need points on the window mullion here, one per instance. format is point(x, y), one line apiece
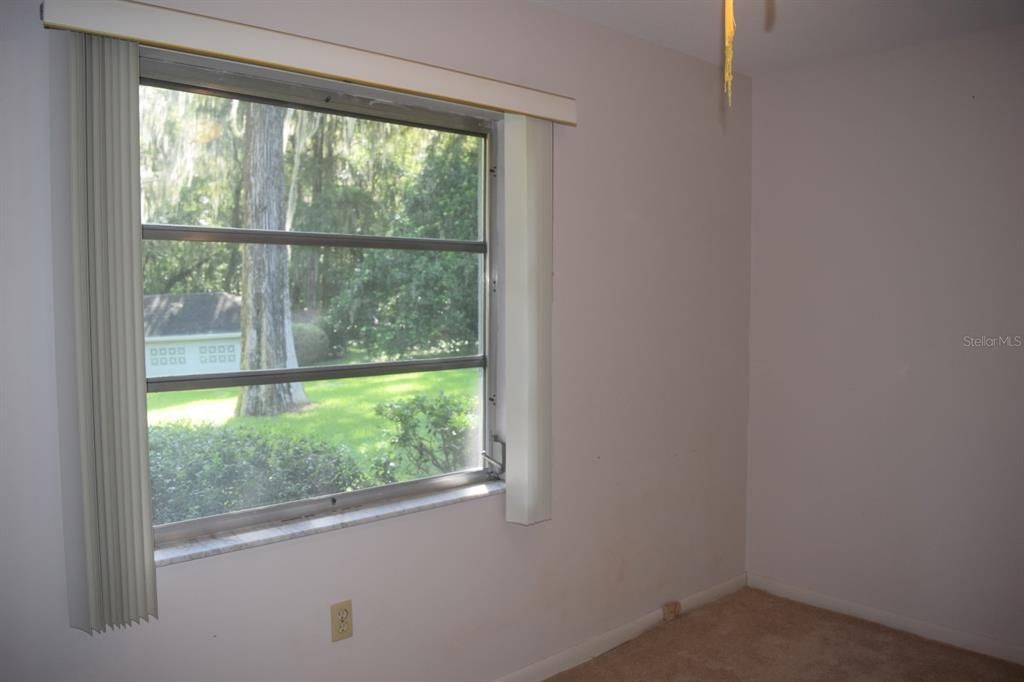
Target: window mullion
point(256, 377)
point(160, 232)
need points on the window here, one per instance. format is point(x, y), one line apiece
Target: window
point(315, 290)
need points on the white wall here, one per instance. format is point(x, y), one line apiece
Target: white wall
point(886, 459)
point(652, 201)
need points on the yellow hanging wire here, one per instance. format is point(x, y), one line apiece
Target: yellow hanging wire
point(729, 24)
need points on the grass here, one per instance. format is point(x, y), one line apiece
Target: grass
point(340, 411)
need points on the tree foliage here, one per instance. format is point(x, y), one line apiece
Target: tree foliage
point(338, 174)
point(429, 298)
point(192, 152)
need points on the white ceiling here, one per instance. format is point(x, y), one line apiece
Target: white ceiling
point(804, 31)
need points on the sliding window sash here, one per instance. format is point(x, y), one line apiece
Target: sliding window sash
point(116, 528)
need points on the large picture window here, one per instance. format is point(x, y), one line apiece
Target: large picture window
point(315, 269)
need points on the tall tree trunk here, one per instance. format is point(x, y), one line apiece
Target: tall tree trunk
point(298, 142)
point(266, 303)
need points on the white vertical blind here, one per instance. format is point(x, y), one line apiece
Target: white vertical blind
point(117, 544)
point(526, 359)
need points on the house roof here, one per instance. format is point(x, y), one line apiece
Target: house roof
point(181, 314)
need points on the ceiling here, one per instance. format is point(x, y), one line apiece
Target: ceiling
point(803, 31)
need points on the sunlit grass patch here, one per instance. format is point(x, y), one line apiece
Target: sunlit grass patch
point(340, 411)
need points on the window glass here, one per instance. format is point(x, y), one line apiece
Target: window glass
point(330, 173)
point(217, 310)
point(348, 434)
point(345, 305)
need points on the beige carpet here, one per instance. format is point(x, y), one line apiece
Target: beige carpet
point(752, 635)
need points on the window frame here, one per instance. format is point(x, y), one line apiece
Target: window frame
point(209, 76)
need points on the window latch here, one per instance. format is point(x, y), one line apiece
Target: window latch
point(497, 467)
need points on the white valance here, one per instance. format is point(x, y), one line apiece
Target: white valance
point(173, 29)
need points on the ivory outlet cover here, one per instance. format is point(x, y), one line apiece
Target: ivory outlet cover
point(341, 620)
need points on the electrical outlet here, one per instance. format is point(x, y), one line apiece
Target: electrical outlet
point(341, 620)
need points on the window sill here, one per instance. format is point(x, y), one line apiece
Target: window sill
point(265, 534)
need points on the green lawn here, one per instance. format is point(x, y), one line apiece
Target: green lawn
point(341, 411)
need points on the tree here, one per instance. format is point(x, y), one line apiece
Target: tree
point(405, 303)
point(329, 174)
point(191, 150)
point(266, 303)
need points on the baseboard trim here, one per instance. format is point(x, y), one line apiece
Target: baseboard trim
point(939, 633)
point(597, 645)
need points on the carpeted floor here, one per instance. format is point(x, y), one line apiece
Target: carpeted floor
point(752, 635)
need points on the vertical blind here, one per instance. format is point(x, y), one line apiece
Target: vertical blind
point(116, 528)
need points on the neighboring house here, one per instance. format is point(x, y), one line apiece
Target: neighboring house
point(192, 333)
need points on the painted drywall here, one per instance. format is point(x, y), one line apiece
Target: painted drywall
point(886, 456)
point(652, 208)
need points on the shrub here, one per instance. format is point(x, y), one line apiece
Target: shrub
point(428, 434)
point(384, 468)
point(200, 470)
point(311, 344)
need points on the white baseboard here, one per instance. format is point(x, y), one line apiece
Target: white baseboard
point(939, 633)
point(597, 645)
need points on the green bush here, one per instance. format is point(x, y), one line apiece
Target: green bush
point(200, 470)
point(311, 344)
point(428, 435)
